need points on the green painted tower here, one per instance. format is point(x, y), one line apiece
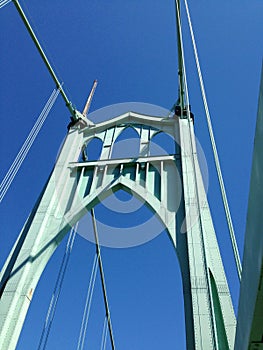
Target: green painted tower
point(77, 186)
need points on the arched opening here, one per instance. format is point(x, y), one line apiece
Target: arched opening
point(127, 144)
point(142, 282)
point(92, 150)
point(148, 275)
point(162, 144)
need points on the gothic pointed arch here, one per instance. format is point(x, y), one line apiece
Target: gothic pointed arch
point(126, 143)
point(91, 150)
point(162, 143)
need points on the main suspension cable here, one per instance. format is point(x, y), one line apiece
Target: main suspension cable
point(73, 111)
point(215, 153)
point(102, 279)
point(15, 166)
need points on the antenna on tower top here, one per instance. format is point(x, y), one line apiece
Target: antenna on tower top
point(89, 100)
point(83, 116)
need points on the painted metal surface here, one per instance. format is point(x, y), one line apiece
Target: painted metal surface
point(75, 187)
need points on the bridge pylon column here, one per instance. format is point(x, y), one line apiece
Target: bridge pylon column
point(40, 236)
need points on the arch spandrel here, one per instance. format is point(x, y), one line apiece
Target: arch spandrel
point(167, 125)
point(167, 218)
point(105, 180)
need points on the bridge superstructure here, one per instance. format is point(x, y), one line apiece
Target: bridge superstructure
point(171, 185)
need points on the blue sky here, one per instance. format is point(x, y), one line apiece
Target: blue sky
point(130, 47)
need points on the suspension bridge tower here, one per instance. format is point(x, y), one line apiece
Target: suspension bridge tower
point(77, 184)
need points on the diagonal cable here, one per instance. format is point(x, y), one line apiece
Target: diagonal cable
point(4, 2)
point(18, 161)
point(26, 141)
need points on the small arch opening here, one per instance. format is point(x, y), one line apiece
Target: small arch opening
point(162, 144)
point(92, 151)
point(127, 144)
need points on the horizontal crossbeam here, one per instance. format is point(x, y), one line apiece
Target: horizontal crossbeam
point(124, 161)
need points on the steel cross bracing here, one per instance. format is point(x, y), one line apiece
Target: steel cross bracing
point(76, 186)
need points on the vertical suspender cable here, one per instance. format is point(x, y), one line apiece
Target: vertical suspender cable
point(102, 279)
point(216, 158)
